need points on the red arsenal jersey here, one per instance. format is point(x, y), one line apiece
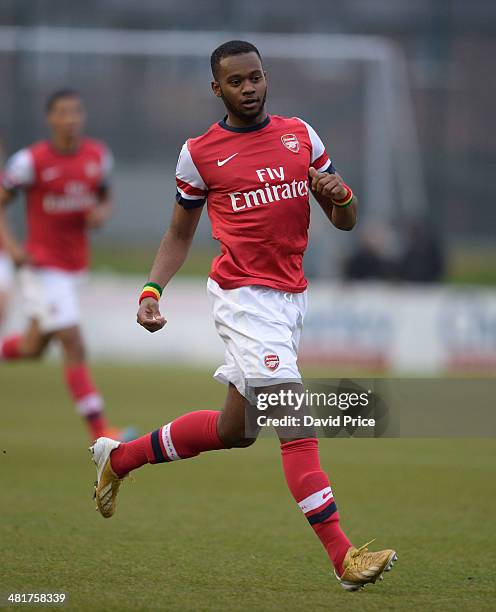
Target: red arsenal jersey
point(60, 190)
point(255, 181)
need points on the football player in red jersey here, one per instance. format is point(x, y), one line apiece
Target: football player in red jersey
point(256, 170)
point(66, 184)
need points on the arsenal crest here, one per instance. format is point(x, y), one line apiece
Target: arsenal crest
point(271, 362)
point(290, 142)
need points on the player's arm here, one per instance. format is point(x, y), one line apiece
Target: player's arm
point(18, 174)
point(333, 197)
point(170, 256)
point(10, 243)
point(103, 210)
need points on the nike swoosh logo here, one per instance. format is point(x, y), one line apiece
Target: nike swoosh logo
point(324, 495)
point(224, 161)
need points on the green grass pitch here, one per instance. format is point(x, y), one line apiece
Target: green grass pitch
point(220, 532)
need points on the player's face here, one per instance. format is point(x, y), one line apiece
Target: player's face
point(66, 117)
point(242, 85)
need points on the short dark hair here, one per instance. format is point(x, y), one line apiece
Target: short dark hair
point(54, 97)
point(232, 47)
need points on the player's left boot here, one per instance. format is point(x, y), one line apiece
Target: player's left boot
point(361, 567)
point(107, 483)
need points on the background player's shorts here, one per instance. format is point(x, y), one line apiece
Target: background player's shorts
point(51, 297)
point(6, 272)
point(261, 329)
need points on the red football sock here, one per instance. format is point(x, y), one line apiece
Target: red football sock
point(97, 425)
point(89, 402)
point(311, 489)
point(10, 348)
point(187, 436)
point(131, 455)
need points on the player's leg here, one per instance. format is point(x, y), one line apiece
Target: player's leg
point(79, 381)
point(185, 437)
point(29, 345)
point(312, 491)
point(203, 430)
point(309, 484)
point(32, 343)
point(50, 296)
point(306, 480)
point(231, 424)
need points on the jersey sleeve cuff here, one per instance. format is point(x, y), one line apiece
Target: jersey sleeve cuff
point(330, 168)
point(189, 204)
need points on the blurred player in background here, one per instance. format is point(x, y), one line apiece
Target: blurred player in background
point(66, 184)
point(257, 171)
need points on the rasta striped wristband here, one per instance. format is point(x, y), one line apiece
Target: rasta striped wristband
point(347, 200)
point(151, 290)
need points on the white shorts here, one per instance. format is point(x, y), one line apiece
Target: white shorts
point(51, 297)
point(261, 329)
point(6, 272)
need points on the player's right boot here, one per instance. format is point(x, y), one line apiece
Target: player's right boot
point(107, 482)
point(361, 567)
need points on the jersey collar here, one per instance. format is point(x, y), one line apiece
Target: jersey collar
point(59, 153)
point(242, 130)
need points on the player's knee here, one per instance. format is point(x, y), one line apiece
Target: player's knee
point(233, 437)
point(78, 354)
point(33, 353)
point(237, 441)
point(74, 348)
point(33, 350)
point(244, 442)
point(232, 432)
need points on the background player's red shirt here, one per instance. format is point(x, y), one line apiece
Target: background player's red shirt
point(257, 186)
point(60, 190)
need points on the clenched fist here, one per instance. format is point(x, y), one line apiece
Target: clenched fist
point(149, 315)
point(328, 185)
